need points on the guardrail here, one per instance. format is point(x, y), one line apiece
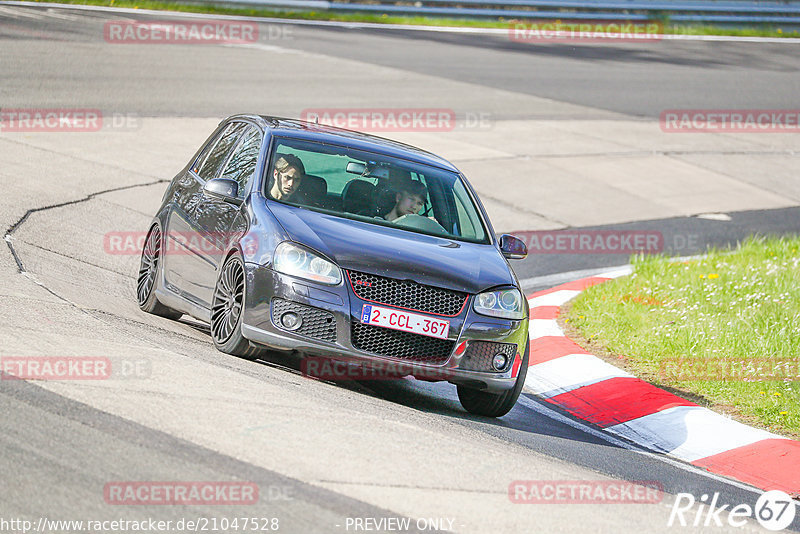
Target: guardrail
point(708, 11)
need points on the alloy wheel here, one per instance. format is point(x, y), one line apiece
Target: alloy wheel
point(228, 298)
point(148, 267)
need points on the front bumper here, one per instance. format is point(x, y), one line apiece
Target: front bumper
point(334, 311)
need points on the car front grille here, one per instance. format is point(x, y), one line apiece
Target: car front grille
point(479, 354)
point(406, 294)
point(317, 323)
point(402, 345)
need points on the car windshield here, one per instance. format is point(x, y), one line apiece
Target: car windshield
point(374, 188)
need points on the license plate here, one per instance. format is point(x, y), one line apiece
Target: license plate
point(407, 322)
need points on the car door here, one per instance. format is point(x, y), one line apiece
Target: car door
point(220, 222)
point(185, 267)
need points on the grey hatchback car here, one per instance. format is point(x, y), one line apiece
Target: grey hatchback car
point(346, 248)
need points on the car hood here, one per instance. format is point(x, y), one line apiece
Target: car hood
point(396, 253)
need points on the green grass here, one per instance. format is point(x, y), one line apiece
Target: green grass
point(758, 31)
point(698, 29)
point(682, 324)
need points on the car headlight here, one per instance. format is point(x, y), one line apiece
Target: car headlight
point(506, 303)
point(297, 261)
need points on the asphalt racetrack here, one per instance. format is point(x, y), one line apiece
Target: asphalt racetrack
point(552, 136)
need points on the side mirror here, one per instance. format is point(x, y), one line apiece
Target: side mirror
point(513, 247)
point(223, 189)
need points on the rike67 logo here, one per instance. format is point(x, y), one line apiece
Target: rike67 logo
point(774, 510)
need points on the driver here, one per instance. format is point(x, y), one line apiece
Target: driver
point(410, 198)
point(286, 177)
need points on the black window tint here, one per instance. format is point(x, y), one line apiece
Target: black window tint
point(219, 153)
point(242, 163)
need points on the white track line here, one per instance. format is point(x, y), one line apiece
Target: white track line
point(556, 298)
point(556, 416)
point(690, 432)
point(560, 375)
point(552, 280)
point(544, 328)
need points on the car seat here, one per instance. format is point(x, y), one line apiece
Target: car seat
point(358, 197)
point(313, 191)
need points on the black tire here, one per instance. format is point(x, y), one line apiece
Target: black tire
point(226, 311)
point(147, 280)
point(491, 404)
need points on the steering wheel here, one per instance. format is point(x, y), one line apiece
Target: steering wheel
point(420, 223)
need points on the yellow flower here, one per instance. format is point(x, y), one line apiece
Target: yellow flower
point(761, 393)
point(777, 394)
point(702, 276)
point(712, 276)
point(783, 413)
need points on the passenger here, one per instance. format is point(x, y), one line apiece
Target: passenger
point(410, 198)
point(287, 175)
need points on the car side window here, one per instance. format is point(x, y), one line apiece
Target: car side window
point(198, 162)
point(219, 154)
point(242, 164)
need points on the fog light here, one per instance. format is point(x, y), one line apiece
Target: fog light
point(291, 321)
point(499, 361)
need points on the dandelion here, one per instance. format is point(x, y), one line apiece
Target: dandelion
point(712, 276)
point(777, 394)
point(783, 413)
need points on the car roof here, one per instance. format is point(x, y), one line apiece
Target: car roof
point(310, 131)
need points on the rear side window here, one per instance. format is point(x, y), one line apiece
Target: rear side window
point(219, 154)
point(242, 164)
point(198, 162)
